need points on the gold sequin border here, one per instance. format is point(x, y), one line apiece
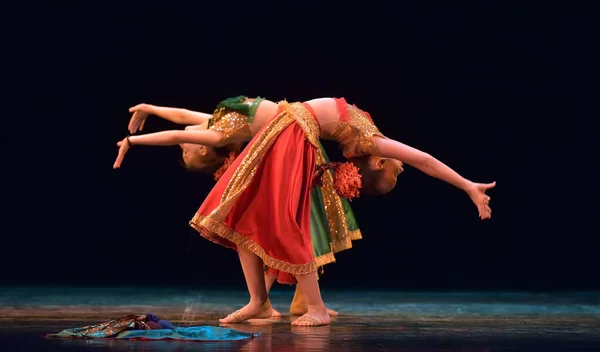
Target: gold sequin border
point(212, 225)
point(208, 227)
point(325, 259)
point(338, 246)
point(332, 204)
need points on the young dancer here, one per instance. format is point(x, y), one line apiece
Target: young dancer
point(272, 179)
point(201, 158)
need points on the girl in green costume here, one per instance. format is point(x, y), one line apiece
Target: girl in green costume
point(330, 234)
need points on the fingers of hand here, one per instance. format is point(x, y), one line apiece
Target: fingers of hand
point(142, 124)
point(119, 159)
point(133, 123)
point(117, 163)
point(485, 212)
point(136, 108)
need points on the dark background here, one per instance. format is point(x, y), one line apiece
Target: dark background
point(498, 91)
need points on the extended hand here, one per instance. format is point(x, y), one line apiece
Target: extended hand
point(140, 114)
point(123, 149)
point(481, 200)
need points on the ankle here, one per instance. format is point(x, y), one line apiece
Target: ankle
point(317, 307)
point(260, 302)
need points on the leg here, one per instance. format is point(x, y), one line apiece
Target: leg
point(300, 307)
point(259, 306)
point(269, 281)
point(316, 312)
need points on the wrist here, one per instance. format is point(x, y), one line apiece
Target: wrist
point(468, 186)
point(130, 140)
point(150, 109)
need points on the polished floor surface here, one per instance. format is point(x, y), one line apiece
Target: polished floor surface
point(369, 321)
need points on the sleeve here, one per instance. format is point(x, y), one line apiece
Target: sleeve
point(232, 124)
point(355, 131)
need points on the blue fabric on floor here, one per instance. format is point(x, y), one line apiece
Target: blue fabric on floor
point(194, 333)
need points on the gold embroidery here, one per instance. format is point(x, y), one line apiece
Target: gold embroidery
point(245, 172)
point(209, 228)
point(234, 126)
point(356, 135)
point(325, 259)
point(306, 121)
point(332, 203)
point(342, 244)
point(212, 225)
point(355, 235)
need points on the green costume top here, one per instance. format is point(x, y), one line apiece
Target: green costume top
point(232, 117)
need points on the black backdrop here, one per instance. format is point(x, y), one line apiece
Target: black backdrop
point(497, 91)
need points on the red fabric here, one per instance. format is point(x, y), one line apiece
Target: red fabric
point(274, 211)
point(342, 107)
point(282, 278)
point(312, 112)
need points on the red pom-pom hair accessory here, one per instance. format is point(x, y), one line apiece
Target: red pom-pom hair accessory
point(346, 178)
point(228, 161)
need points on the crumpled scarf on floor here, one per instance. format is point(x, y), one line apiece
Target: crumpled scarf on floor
point(136, 327)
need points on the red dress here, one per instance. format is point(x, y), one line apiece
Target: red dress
point(262, 202)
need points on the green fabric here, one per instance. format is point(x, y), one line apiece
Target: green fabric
point(350, 219)
point(319, 229)
point(238, 105)
point(253, 109)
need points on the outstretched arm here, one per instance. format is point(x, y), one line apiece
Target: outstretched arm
point(204, 137)
point(428, 164)
point(175, 115)
point(166, 138)
point(433, 167)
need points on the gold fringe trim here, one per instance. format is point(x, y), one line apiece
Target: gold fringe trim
point(355, 235)
point(208, 227)
point(305, 120)
point(332, 204)
point(325, 259)
point(245, 172)
point(345, 243)
point(341, 245)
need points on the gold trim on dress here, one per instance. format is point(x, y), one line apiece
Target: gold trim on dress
point(341, 245)
point(332, 204)
point(355, 235)
point(209, 228)
point(356, 135)
point(212, 225)
point(325, 259)
point(234, 126)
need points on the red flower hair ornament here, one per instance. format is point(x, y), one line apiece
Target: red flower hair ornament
point(346, 178)
point(228, 161)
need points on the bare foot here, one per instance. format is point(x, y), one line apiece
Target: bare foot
point(275, 314)
point(250, 311)
point(316, 316)
point(332, 313)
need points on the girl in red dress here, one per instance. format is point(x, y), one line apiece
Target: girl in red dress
point(261, 204)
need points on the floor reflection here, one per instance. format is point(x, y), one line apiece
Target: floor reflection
point(369, 322)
